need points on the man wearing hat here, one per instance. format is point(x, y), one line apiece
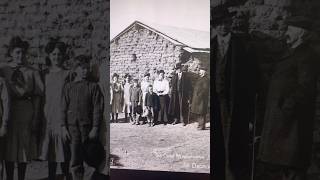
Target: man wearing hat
point(200, 98)
point(234, 91)
point(180, 95)
point(287, 135)
point(82, 105)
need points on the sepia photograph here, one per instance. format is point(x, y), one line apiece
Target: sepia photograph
point(265, 56)
point(53, 77)
point(159, 85)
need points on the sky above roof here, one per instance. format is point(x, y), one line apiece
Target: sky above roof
point(191, 14)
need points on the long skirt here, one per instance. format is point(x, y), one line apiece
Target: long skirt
point(20, 141)
point(116, 103)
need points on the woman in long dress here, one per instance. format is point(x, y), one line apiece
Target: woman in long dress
point(26, 88)
point(54, 149)
point(117, 98)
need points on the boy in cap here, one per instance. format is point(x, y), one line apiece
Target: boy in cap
point(135, 101)
point(151, 103)
point(82, 105)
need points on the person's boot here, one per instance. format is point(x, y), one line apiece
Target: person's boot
point(112, 117)
point(176, 121)
point(116, 117)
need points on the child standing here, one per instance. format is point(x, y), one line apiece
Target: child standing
point(144, 87)
point(82, 107)
point(54, 150)
point(116, 97)
point(135, 101)
point(152, 105)
point(126, 97)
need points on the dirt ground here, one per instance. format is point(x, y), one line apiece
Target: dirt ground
point(161, 148)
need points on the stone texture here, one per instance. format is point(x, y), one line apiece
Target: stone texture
point(82, 24)
point(153, 52)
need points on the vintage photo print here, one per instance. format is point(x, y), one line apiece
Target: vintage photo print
point(265, 56)
point(160, 79)
point(53, 89)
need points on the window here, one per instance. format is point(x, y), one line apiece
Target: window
point(133, 57)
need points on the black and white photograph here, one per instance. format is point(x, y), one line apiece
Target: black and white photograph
point(265, 89)
point(159, 85)
point(54, 76)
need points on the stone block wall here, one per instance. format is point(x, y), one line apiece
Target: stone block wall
point(82, 24)
point(153, 52)
point(268, 16)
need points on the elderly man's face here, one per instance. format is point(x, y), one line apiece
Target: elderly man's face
point(293, 34)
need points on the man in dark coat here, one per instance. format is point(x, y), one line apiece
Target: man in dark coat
point(234, 91)
point(200, 98)
point(180, 95)
point(287, 135)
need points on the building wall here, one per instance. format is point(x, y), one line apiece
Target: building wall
point(82, 24)
point(153, 52)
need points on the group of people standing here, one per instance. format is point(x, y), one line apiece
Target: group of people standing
point(47, 114)
point(161, 101)
point(286, 110)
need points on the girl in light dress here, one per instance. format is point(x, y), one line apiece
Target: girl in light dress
point(54, 149)
point(126, 97)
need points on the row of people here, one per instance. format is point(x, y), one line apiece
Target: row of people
point(161, 101)
point(63, 103)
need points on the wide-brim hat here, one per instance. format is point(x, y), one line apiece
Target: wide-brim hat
point(220, 13)
point(16, 42)
point(94, 152)
point(178, 65)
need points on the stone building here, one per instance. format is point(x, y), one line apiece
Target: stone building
point(147, 47)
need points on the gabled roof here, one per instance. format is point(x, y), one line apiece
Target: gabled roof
point(189, 38)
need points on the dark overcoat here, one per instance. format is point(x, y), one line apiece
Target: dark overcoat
point(240, 87)
point(287, 133)
point(185, 86)
point(200, 97)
